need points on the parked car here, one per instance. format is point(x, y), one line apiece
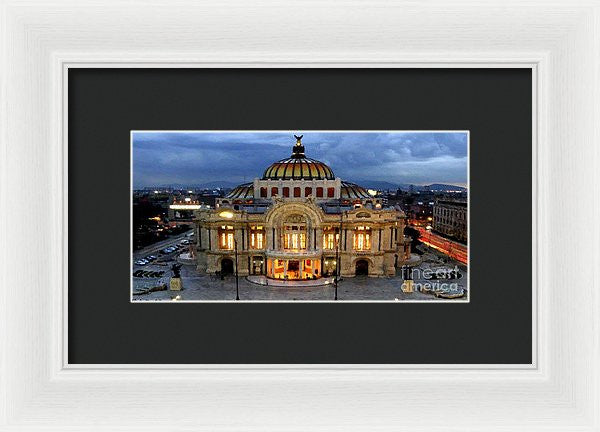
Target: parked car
point(141, 262)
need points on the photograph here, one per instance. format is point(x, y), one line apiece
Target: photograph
point(299, 216)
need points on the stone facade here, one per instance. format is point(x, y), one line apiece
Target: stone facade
point(304, 233)
point(450, 219)
point(384, 250)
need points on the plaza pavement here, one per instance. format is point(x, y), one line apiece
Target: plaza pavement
point(199, 287)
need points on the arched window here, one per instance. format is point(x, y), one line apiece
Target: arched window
point(263, 192)
point(274, 191)
point(307, 191)
point(286, 191)
point(319, 192)
point(296, 192)
point(330, 192)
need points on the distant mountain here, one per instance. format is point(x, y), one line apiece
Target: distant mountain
point(209, 185)
point(218, 184)
point(383, 185)
point(378, 185)
point(439, 187)
point(367, 184)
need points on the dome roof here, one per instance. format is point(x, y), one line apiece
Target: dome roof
point(243, 191)
point(353, 191)
point(298, 167)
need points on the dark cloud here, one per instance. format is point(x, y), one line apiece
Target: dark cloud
point(200, 157)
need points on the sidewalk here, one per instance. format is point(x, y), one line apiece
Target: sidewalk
point(263, 280)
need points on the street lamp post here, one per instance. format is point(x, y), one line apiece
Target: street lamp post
point(237, 289)
point(338, 259)
point(335, 278)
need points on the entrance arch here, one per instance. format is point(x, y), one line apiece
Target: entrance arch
point(226, 266)
point(362, 267)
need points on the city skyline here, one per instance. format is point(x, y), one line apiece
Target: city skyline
point(194, 158)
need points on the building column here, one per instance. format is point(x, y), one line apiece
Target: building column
point(319, 239)
point(214, 238)
point(238, 235)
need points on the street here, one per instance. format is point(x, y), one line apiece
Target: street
point(451, 248)
point(201, 287)
point(155, 247)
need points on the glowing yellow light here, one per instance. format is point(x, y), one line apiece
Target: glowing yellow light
point(184, 206)
point(187, 199)
point(226, 214)
point(372, 192)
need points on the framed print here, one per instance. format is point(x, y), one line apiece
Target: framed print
point(299, 232)
point(299, 216)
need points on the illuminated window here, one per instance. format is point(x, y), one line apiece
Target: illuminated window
point(296, 192)
point(274, 191)
point(307, 191)
point(362, 238)
point(257, 237)
point(295, 237)
point(226, 239)
point(331, 238)
point(330, 192)
point(286, 191)
point(319, 192)
point(263, 192)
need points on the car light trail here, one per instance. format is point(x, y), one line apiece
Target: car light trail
point(448, 247)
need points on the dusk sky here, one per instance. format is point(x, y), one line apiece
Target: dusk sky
point(194, 158)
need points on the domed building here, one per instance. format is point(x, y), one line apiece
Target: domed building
point(298, 222)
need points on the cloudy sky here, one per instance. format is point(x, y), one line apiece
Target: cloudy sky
point(193, 158)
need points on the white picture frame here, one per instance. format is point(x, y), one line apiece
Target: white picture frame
point(559, 40)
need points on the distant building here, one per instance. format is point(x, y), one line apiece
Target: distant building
point(450, 219)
